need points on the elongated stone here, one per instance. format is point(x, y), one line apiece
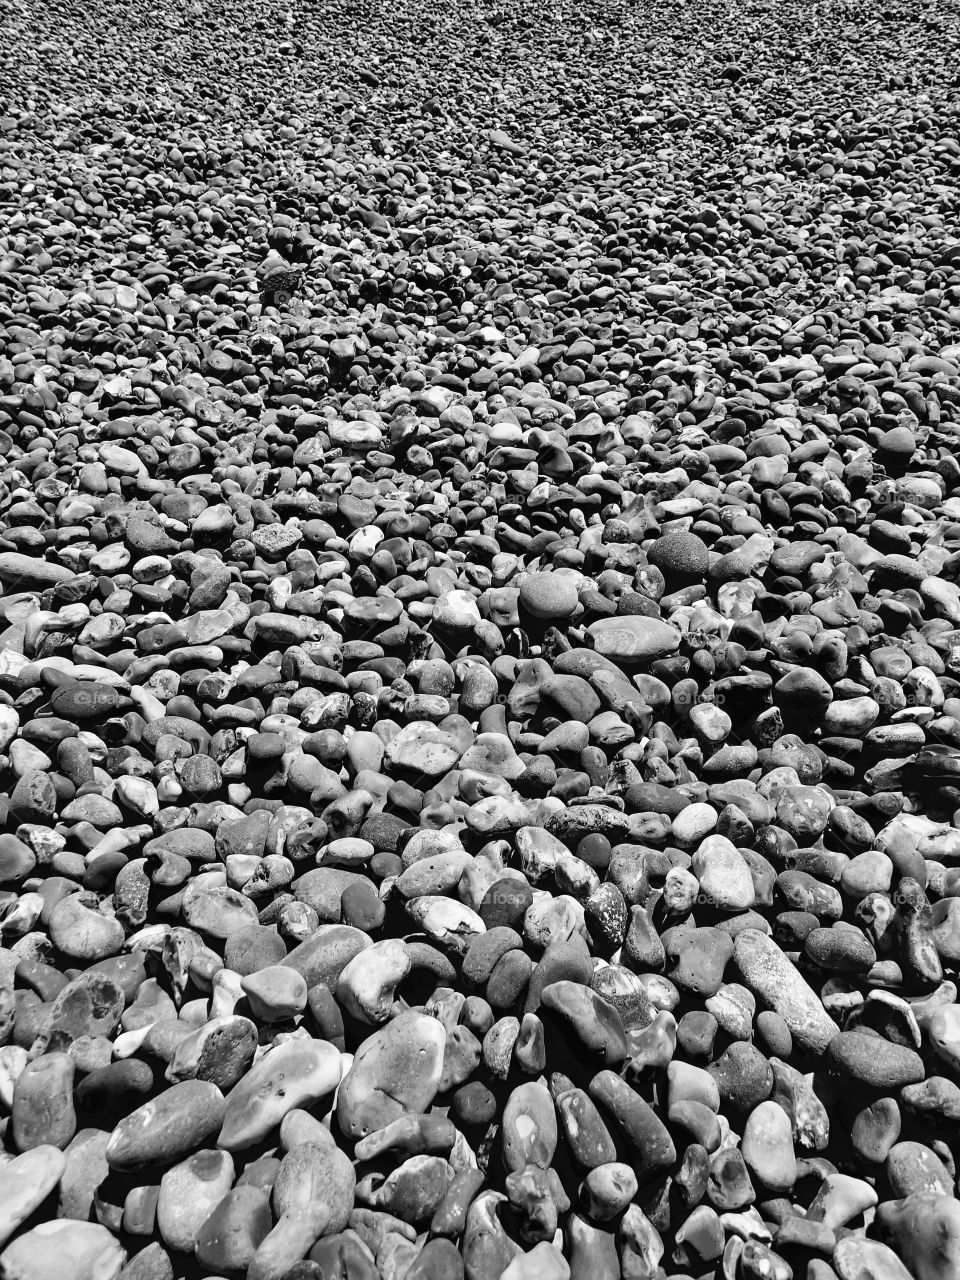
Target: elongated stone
point(168, 1127)
point(780, 987)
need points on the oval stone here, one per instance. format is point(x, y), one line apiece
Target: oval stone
point(167, 1127)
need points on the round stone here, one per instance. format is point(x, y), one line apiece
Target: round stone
point(680, 556)
point(549, 596)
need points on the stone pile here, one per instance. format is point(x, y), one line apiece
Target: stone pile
point(479, 642)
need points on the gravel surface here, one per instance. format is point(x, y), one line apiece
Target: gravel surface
point(479, 641)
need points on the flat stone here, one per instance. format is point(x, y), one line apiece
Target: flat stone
point(634, 640)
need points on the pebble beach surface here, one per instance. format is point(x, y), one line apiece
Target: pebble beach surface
point(479, 641)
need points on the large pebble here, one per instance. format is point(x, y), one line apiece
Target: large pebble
point(397, 1069)
point(295, 1073)
point(168, 1127)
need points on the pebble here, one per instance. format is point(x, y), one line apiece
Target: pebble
point(548, 596)
point(633, 640)
point(85, 1250)
point(652, 1148)
point(275, 993)
point(169, 1126)
point(925, 1228)
point(874, 1062)
point(231, 1235)
point(25, 1183)
point(316, 1171)
point(397, 1069)
point(189, 1192)
point(782, 988)
point(43, 1112)
point(290, 1074)
point(768, 1147)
